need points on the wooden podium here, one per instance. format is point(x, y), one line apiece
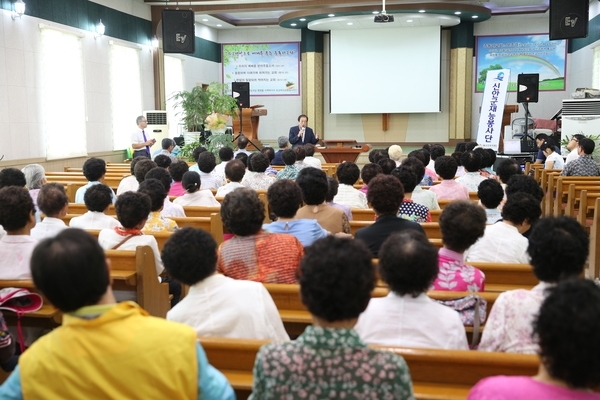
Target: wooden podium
point(338, 151)
point(250, 119)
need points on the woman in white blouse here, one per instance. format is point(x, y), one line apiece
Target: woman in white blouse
point(193, 195)
point(553, 159)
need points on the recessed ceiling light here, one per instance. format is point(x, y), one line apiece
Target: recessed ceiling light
point(375, 12)
point(293, 24)
point(349, 23)
point(302, 19)
point(457, 13)
point(475, 16)
point(204, 20)
point(409, 20)
point(421, 11)
point(331, 15)
point(219, 25)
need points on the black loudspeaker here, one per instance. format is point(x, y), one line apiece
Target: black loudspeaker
point(528, 86)
point(243, 89)
point(178, 31)
point(569, 19)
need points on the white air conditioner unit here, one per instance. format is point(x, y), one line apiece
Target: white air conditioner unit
point(157, 126)
point(580, 116)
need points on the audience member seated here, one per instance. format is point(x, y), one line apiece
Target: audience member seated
point(408, 263)
point(259, 180)
point(506, 169)
point(167, 145)
point(332, 191)
point(553, 159)
point(97, 200)
point(490, 195)
point(249, 168)
point(17, 217)
point(572, 147)
point(436, 151)
point(207, 163)
point(385, 196)
point(225, 155)
point(217, 305)
point(54, 203)
point(194, 196)
point(460, 171)
point(347, 174)
point(558, 248)
point(177, 169)
point(449, 188)
point(314, 186)
point(12, 177)
point(387, 165)
point(310, 159)
point(243, 157)
point(35, 178)
point(426, 198)
point(255, 254)
point(290, 171)
point(234, 171)
point(584, 165)
point(300, 156)
point(540, 138)
point(157, 193)
point(283, 143)
point(195, 155)
point(329, 359)
point(116, 349)
point(409, 209)
point(143, 166)
point(368, 172)
point(490, 161)
point(395, 153)
point(462, 222)
point(485, 168)
point(472, 161)
point(270, 153)
point(169, 209)
point(242, 143)
point(132, 210)
point(567, 332)
point(377, 154)
point(94, 170)
point(285, 197)
point(503, 242)
point(524, 184)
point(162, 161)
point(130, 182)
point(423, 156)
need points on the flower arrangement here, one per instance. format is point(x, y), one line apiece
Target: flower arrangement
point(216, 122)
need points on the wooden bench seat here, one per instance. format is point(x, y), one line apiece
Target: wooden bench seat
point(436, 374)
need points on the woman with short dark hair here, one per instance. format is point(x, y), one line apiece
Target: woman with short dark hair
point(194, 195)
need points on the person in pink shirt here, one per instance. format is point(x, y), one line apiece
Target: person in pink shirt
point(566, 328)
point(448, 189)
point(177, 169)
point(462, 222)
point(368, 172)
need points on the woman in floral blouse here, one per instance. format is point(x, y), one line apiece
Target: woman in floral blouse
point(329, 360)
point(462, 222)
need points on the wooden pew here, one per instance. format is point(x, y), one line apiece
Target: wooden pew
point(47, 317)
point(111, 181)
point(558, 187)
point(594, 259)
point(435, 373)
point(432, 229)
point(503, 277)
point(368, 214)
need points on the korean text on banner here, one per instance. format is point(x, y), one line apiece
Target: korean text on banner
point(492, 108)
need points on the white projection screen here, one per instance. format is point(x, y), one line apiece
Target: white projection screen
point(391, 70)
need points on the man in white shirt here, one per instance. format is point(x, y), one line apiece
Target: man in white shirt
point(94, 170)
point(217, 305)
point(242, 142)
point(140, 139)
point(503, 241)
point(226, 155)
point(17, 216)
point(406, 317)
point(97, 200)
point(234, 171)
point(348, 174)
point(572, 146)
point(54, 203)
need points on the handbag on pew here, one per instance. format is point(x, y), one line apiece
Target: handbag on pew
point(472, 312)
point(20, 301)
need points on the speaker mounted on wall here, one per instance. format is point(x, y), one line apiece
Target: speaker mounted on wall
point(569, 19)
point(178, 31)
point(528, 86)
point(241, 93)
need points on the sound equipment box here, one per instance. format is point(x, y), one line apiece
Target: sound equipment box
point(178, 31)
point(528, 86)
point(569, 19)
point(243, 89)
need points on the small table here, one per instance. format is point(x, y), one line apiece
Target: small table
point(338, 151)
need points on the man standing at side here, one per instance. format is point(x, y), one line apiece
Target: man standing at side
point(584, 165)
point(139, 140)
point(302, 134)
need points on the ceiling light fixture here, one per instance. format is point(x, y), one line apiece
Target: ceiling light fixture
point(219, 25)
point(293, 24)
point(375, 12)
point(331, 15)
point(349, 23)
point(302, 19)
point(475, 16)
point(204, 19)
point(457, 13)
point(100, 29)
point(421, 11)
point(19, 10)
point(409, 20)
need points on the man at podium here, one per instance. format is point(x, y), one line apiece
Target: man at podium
point(302, 134)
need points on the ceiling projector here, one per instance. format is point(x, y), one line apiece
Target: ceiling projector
point(383, 18)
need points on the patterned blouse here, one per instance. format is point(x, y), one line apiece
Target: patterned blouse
point(414, 211)
point(329, 363)
point(157, 223)
point(264, 257)
point(582, 166)
point(289, 172)
point(258, 181)
point(454, 275)
point(509, 325)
